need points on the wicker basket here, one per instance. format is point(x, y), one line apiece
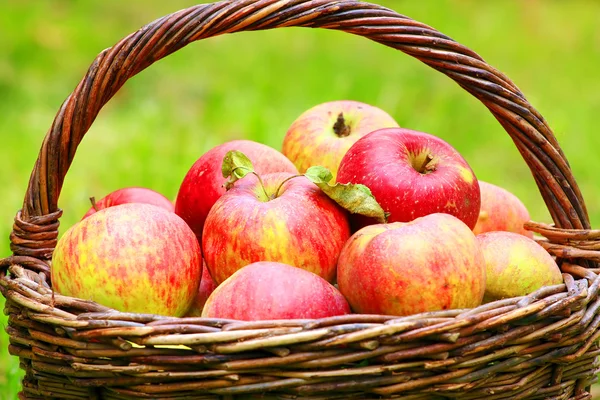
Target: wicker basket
point(539, 346)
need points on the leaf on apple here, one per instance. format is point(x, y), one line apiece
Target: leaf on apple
point(318, 174)
point(235, 166)
point(354, 197)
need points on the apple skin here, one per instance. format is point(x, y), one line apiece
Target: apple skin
point(203, 183)
point(133, 257)
point(501, 211)
point(516, 265)
point(388, 162)
point(272, 290)
point(132, 195)
point(207, 286)
point(302, 227)
point(431, 263)
point(315, 139)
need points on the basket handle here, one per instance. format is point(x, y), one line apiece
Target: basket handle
point(112, 67)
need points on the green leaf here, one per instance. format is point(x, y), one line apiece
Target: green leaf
point(354, 197)
point(235, 166)
point(318, 174)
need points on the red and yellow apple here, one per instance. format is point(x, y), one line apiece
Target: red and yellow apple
point(431, 263)
point(133, 257)
point(324, 133)
point(516, 265)
point(501, 211)
point(413, 174)
point(207, 286)
point(296, 224)
point(271, 290)
point(204, 182)
point(131, 195)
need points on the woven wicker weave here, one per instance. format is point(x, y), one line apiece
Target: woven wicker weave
point(542, 346)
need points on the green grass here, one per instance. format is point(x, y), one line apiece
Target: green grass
point(253, 85)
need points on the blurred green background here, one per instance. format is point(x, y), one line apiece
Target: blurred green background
point(253, 85)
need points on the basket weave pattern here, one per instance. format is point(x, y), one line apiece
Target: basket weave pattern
point(541, 346)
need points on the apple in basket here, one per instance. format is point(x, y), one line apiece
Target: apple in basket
point(501, 211)
point(203, 183)
point(271, 290)
point(516, 265)
point(130, 195)
point(274, 218)
point(207, 286)
point(429, 264)
point(133, 257)
point(412, 174)
point(324, 133)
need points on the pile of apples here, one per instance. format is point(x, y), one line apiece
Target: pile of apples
point(354, 215)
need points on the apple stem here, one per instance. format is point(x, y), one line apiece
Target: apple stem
point(94, 205)
point(425, 167)
point(261, 184)
point(340, 127)
point(282, 183)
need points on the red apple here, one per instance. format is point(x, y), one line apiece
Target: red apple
point(501, 211)
point(431, 263)
point(133, 257)
point(207, 286)
point(203, 184)
point(516, 265)
point(299, 226)
point(131, 195)
point(271, 290)
point(413, 174)
point(324, 133)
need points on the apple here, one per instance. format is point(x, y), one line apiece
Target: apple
point(272, 290)
point(207, 286)
point(431, 263)
point(131, 195)
point(501, 211)
point(284, 220)
point(413, 174)
point(133, 257)
point(324, 133)
point(516, 265)
point(203, 183)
